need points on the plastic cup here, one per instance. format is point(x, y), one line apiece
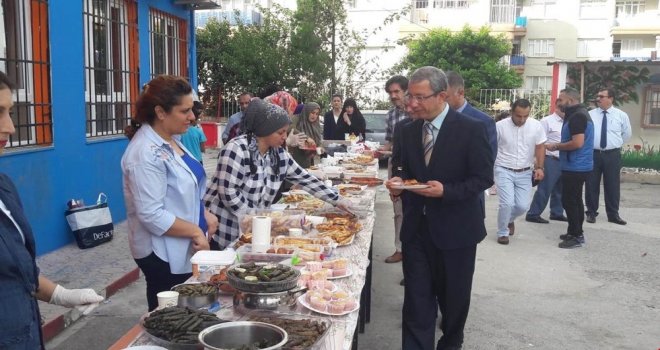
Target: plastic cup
point(295, 232)
point(167, 299)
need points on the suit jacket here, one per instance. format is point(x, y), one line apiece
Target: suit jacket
point(329, 127)
point(462, 161)
point(487, 121)
point(396, 147)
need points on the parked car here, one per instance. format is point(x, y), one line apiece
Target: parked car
point(376, 125)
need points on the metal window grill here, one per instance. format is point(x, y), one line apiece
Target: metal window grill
point(24, 58)
point(111, 65)
point(169, 44)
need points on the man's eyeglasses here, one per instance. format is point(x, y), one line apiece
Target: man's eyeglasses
point(602, 96)
point(420, 99)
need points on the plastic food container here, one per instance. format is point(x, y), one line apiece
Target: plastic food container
point(281, 220)
point(211, 262)
point(307, 243)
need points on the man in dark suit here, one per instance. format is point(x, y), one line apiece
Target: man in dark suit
point(331, 117)
point(442, 223)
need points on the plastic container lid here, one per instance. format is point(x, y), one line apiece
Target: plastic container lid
point(212, 257)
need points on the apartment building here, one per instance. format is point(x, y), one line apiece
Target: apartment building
point(551, 30)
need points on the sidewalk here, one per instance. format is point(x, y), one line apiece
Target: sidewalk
point(106, 268)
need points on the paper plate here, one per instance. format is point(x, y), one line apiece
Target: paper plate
point(303, 302)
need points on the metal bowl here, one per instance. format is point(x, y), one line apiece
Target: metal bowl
point(232, 335)
point(196, 301)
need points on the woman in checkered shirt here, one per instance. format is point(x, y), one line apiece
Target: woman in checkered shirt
point(251, 169)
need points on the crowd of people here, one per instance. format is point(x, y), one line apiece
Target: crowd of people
point(458, 151)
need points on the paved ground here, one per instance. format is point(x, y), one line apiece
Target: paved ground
point(529, 294)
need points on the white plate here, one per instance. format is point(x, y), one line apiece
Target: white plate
point(348, 273)
point(409, 187)
point(303, 302)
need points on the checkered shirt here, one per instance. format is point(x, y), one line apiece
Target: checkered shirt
point(394, 116)
point(232, 190)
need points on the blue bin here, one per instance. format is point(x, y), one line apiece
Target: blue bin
point(521, 21)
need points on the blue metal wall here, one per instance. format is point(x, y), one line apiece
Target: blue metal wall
point(75, 167)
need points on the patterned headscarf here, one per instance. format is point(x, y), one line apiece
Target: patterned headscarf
point(312, 130)
point(284, 100)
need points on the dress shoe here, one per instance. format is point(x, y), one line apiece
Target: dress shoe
point(512, 228)
point(591, 218)
point(558, 218)
point(394, 258)
point(503, 240)
point(617, 220)
point(402, 282)
point(537, 219)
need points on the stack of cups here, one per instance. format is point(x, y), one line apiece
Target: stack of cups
point(260, 234)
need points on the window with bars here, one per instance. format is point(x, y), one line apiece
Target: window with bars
point(590, 47)
point(111, 65)
point(451, 4)
point(651, 117)
point(629, 8)
point(503, 11)
point(169, 44)
point(541, 48)
point(590, 9)
point(421, 4)
point(24, 58)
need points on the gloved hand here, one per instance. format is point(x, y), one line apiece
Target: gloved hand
point(74, 297)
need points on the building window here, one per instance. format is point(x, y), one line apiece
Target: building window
point(651, 115)
point(538, 83)
point(590, 47)
point(503, 11)
point(351, 3)
point(169, 44)
point(24, 58)
point(111, 65)
point(451, 4)
point(629, 8)
point(541, 48)
point(421, 4)
point(543, 9)
point(591, 9)
point(629, 48)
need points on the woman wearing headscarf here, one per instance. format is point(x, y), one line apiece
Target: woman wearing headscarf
point(253, 166)
point(350, 121)
point(306, 123)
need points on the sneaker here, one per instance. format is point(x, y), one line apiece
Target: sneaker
point(537, 219)
point(566, 236)
point(572, 242)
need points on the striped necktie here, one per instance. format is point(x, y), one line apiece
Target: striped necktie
point(428, 142)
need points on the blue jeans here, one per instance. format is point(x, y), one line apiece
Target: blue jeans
point(514, 192)
point(550, 188)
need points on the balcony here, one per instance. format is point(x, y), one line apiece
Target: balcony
point(516, 62)
point(647, 22)
point(633, 56)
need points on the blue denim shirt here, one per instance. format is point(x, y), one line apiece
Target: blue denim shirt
point(158, 188)
point(19, 313)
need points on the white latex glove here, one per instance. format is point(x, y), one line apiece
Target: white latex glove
point(74, 297)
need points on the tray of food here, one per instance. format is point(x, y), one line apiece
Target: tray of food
point(368, 181)
point(178, 327)
point(410, 184)
point(348, 189)
point(305, 331)
point(340, 302)
point(262, 277)
point(281, 221)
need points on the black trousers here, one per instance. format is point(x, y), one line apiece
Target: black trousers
point(435, 277)
point(158, 276)
point(571, 198)
point(608, 166)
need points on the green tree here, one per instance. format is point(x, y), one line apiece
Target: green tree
point(475, 54)
point(623, 79)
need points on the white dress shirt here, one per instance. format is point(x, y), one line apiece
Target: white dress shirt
point(516, 145)
point(552, 125)
point(618, 127)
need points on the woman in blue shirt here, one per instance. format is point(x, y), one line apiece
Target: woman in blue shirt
point(163, 188)
point(22, 285)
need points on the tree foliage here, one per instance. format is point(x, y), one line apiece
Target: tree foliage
point(623, 79)
point(475, 54)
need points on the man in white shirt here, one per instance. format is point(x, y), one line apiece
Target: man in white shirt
point(520, 141)
point(235, 119)
point(550, 187)
point(609, 136)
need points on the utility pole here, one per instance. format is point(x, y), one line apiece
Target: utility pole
point(333, 82)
